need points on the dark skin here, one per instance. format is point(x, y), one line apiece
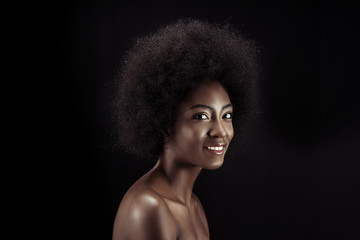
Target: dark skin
point(161, 204)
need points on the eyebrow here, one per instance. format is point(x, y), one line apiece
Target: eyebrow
point(211, 108)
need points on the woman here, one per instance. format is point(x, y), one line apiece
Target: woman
point(184, 91)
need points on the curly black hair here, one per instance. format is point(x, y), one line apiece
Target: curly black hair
point(160, 69)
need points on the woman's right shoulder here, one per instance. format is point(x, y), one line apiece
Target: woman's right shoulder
point(143, 213)
point(139, 196)
point(142, 195)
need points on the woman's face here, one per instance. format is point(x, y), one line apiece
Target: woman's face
point(203, 127)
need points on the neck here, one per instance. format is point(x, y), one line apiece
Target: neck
point(179, 177)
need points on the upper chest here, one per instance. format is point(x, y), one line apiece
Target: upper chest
point(189, 221)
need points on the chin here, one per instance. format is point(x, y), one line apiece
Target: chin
point(214, 165)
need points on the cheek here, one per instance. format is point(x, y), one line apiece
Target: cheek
point(191, 137)
point(230, 132)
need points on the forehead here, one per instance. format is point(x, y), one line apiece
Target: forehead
point(209, 93)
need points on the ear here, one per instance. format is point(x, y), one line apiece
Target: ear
point(166, 134)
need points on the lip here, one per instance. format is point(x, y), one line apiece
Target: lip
point(216, 152)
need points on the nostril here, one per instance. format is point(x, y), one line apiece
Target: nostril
point(218, 132)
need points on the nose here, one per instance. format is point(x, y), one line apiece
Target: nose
point(217, 129)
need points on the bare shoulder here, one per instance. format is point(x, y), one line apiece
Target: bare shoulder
point(200, 210)
point(143, 214)
point(197, 202)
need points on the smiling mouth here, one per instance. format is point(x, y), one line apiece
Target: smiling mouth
point(218, 150)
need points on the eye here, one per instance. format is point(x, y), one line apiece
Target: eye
point(200, 116)
point(228, 115)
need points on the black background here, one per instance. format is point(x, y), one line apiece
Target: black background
point(298, 177)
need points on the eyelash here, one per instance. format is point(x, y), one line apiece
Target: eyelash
point(198, 116)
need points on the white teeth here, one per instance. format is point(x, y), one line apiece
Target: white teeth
point(216, 148)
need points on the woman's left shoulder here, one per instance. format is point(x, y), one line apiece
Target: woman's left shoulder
point(196, 202)
point(195, 199)
point(200, 211)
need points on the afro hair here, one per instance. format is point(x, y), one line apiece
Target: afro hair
point(161, 68)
